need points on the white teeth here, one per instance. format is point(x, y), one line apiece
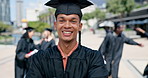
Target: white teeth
point(67, 32)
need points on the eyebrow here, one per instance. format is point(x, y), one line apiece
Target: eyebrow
point(61, 17)
point(71, 18)
point(74, 18)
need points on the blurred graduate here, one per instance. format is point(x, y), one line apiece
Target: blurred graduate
point(69, 59)
point(24, 47)
point(47, 41)
point(112, 47)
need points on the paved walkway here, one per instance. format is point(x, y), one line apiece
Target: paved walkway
point(132, 65)
point(7, 53)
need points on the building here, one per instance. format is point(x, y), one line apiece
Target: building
point(5, 11)
point(137, 18)
point(32, 14)
point(141, 1)
point(19, 12)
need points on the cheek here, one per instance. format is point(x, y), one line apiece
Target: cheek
point(76, 31)
point(58, 26)
point(32, 33)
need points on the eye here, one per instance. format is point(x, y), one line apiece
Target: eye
point(73, 21)
point(61, 21)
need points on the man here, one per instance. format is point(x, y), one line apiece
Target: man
point(112, 48)
point(145, 73)
point(68, 59)
point(142, 31)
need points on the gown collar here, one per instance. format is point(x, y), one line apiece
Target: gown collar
point(64, 55)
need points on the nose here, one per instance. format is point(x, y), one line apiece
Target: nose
point(67, 25)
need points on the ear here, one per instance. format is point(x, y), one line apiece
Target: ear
point(55, 25)
point(80, 26)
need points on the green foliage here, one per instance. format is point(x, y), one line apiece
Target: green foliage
point(98, 14)
point(87, 16)
point(43, 15)
point(5, 37)
point(5, 27)
point(120, 6)
point(95, 14)
point(140, 6)
point(128, 29)
point(51, 10)
point(39, 26)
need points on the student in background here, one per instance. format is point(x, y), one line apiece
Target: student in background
point(24, 47)
point(112, 47)
point(47, 40)
point(142, 31)
point(145, 73)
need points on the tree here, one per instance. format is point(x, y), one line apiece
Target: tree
point(49, 15)
point(95, 14)
point(39, 26)
point(121, 7)
point(86, 17)
point(4, 27)
point(98, 14)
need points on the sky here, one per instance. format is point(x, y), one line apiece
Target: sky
point(98, 2)
point(26, 4)
point(32, 4)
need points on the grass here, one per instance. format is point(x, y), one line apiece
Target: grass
point(4, 37)
point(128, 29)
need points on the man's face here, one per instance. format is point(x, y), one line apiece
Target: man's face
point(68, 26)
point(46, 34)
point(121, 28)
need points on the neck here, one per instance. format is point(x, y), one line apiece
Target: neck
point(66, 47)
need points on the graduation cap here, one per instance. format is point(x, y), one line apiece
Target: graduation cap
point(48, 29)
point(68, 6)
point(29, 29)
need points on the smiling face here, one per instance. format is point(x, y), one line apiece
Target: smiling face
point(67, 27)
point(46, 34)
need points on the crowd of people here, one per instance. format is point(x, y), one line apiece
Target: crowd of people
point(70, 59)
point(26, 48)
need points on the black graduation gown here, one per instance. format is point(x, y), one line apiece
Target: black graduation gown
point(146, 71)
point(46, 44)
point(146, 34)
point(112, 48)
point(82, 63)
point(24, 46)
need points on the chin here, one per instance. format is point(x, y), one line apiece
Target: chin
point(68, 40)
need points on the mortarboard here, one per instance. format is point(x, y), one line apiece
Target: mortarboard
point(29, 29)
point(48, 29)
point(68, 6)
